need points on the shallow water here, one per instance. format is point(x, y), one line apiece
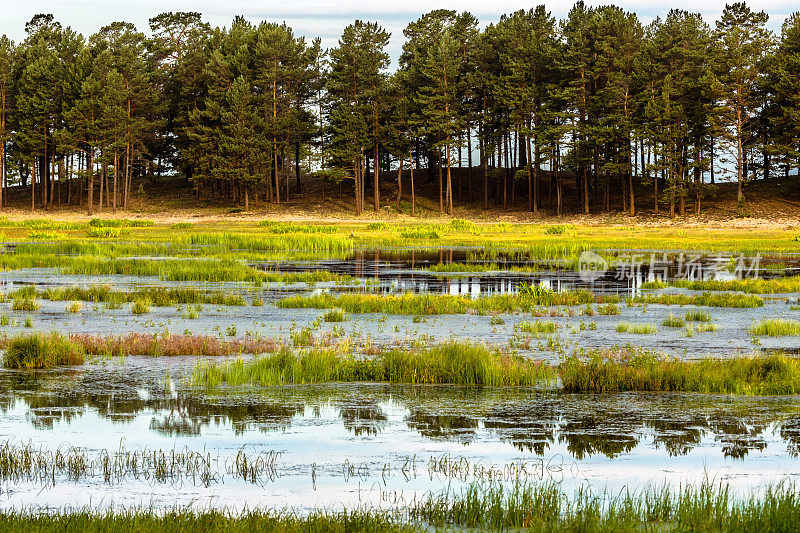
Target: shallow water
point(375, 444)
point(381, 445)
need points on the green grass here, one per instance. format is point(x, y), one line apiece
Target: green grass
point(748, 285)
point(768, 375)
point(637, 328)
point(140, 306)
point(478, 506)
point(119, 223)
point(673, 322)
point(25, 304)
point(38, 351)
point(74, 307)
point(158, 296)
point(608, 309)
point(452, 363)
point(706, 299)
point(776, 327)
point(537, 327)
point(439, 304)
point(697, 316)
point(335, 315)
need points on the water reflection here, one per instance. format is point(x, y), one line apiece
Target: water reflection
point(533, 422)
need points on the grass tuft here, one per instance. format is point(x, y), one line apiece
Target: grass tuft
point(38, 351)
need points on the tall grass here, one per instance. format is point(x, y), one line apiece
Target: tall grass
point(768, 375)
point(776, 327)
point(697, 316)
point(673, 321)
point(37, 351)
point(455, 363)
point(158, 296)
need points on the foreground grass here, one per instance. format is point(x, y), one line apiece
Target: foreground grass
point(768, 375)
point(453, 363)
point(440, 304)
point(520, 506)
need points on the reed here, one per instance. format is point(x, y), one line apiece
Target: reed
point(775, 327)
point(39, 351)
point(768, 375)
point(452, 363)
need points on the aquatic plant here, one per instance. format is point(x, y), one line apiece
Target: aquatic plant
point(748, 285)
point(334, 315)
point(537, 327)
point(74, 307)
point(38, 351)
point(697, 316)
point(455, 363)
point(140, 306)
point(673, 321)
point(170, 345)
point(608, 309)
point(25, 304)
point(438, 304)
point(775, 327)
point(638, 328)
point(706, 299)
point(773, 374)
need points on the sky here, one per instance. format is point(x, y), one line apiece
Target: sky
point(327, 18)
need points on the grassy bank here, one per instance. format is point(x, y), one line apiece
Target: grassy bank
point(454, 363)
point(440, 304)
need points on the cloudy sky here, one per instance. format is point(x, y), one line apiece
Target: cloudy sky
point(327, 18)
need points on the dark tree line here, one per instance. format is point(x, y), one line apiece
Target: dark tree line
point(503, 114)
